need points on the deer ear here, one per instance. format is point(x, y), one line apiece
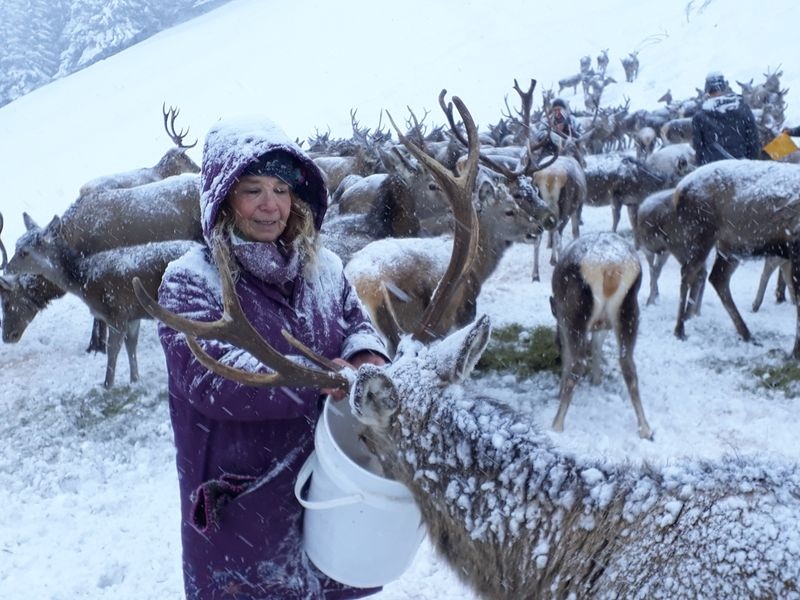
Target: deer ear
point(53, 227)
point(29, 222)
point(459, 352)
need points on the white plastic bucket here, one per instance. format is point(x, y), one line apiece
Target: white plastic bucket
point(359, 528)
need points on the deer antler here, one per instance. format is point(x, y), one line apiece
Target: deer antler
point(233, 327)
point(465, 239)
point(169, 125)
point(529, 165)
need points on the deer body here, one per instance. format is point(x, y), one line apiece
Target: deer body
point(174, 162)
point(517, 519)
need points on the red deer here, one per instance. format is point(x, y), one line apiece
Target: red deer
point(745, 208)
point(397, 280)
point(595, 285)
point(513, 515)
point(518, 179)
point(102, 220)
point(103, 282)
point(630, 64)
point(174, 162)
point(563, 186)
point(400, 203)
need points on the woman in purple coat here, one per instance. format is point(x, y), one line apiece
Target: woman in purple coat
point(239, 448)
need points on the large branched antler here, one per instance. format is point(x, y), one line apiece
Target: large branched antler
point(528, 166)
point(234, 327)
point(169, 126)
point(435, 321)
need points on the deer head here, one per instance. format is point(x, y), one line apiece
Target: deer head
point(519, 180)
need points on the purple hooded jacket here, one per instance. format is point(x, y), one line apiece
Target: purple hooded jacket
point(239, 448)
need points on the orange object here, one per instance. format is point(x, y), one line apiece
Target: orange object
point(781, 146)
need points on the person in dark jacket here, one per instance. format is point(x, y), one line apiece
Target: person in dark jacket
point(725, 126)
point(792, 131)
point(559, 124)
point(239, 448)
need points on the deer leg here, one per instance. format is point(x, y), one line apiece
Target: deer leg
point(131, 341)
point(656, 263)
point(616, 212)
point(576, 222)
point(97, 342)
point(633, 215)
point(769, 267)
point(598, 337)
point(573, 366)
point(720, 278)
point(689, 273)
point(627, 330)
point(115, 338)
point(555, 244)
point(536, 245)
point(795, 281)
point(784, 275)
point(696, 290)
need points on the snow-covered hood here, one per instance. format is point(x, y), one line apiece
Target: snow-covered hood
point(232, 145)
point(722, 104)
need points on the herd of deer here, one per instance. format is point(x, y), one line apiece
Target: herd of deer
point(515, 517)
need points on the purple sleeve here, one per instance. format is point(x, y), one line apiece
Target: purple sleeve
point(217, 397)
point(359, 333)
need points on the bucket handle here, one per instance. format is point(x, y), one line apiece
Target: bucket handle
point(302, 478)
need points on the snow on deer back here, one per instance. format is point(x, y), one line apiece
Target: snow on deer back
point(518, 518)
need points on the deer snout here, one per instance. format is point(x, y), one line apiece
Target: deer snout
point(549, 222)
point(11, 337)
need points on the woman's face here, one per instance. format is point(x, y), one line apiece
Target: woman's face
point(261, 206)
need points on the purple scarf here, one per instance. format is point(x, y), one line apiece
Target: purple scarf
point(271, 262)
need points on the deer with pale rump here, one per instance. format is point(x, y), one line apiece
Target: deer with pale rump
point(595, 286)
point(515, 517)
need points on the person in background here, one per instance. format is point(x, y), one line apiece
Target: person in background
point(725, 126)
point(239, 448)
point(559, 124)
